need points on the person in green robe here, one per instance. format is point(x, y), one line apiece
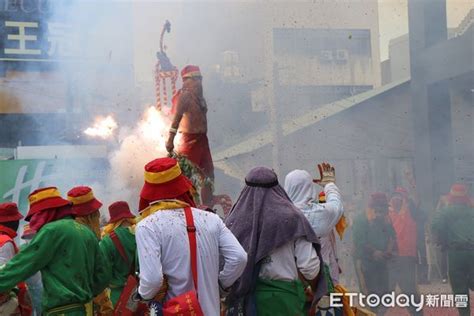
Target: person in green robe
point(374, 246)
point(67, 254)
point(119, 229)
point(86, 208)
point(452, 228)
point(35, 286)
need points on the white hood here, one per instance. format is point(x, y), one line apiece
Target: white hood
point(300, 188)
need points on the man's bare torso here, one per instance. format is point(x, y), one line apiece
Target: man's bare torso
point(194, 119)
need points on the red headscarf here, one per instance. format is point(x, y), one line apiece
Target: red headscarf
point(7, 231)
point(46, 216)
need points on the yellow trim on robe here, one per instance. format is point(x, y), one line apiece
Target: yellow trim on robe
point(161, 205)
point(62, 310)
point(112, 226)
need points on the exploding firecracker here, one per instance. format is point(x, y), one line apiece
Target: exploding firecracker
point(102, 128)
point(152, 132)
point(154, 127)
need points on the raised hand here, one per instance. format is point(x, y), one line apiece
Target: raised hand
point(326, 173)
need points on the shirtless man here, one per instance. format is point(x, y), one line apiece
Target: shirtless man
point(190, 119)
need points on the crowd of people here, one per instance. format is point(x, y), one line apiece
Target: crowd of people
point(390, 238)
point(266, 257)
point(275, 253)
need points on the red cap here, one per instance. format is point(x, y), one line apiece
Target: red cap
point(119, 210)
point(164, 180)
point(378, 199)
point(459, 194)
point(43, 199)
point(190, 71)
point(83, 201)
point(9, 212)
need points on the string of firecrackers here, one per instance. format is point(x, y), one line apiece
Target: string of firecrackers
point(157, 86)
point(165, 93)
point(169, 74)
point(160, 79)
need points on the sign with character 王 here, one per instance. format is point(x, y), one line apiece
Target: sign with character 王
point(29, 34)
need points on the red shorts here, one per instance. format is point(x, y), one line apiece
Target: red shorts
point(196, 148)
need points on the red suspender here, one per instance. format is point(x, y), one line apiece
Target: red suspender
point(119, 246)
point(192, 243)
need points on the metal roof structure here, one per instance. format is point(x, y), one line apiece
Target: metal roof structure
point(291, 126)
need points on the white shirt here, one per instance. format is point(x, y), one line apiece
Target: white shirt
point(322, 217)
point(163, 249)
point(7, 252)
point(283, 263)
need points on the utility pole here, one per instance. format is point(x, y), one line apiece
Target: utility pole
point(276, 122)
point(434, 166)
point(271, 83)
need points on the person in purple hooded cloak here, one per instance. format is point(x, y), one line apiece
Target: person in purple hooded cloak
point(283, 250)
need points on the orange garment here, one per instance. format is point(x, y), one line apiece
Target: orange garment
point(341, 226)
point(348, 311)
point(370, 214)
point(405, 230)
point(7, 235)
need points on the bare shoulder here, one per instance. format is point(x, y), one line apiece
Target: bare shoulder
point(185, 97)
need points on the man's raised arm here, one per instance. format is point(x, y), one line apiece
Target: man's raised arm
point(180, 109)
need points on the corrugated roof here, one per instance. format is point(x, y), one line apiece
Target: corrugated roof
point(293, 125)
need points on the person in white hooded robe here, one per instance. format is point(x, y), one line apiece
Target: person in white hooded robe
point(322, 217)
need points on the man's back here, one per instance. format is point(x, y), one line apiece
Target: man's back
point(68, 255)
point(194, 119)
point(453, 226)
point(162, 237)
point(369, 236)
point(76, 251)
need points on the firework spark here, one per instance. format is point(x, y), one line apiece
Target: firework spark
point(102, 128)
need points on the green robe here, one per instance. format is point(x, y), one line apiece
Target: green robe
point(453, 228)
point(119, 268)
point(368, 237)
point(72, 266)
point(275, 297)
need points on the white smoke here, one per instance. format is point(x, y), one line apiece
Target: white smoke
point(138, 146)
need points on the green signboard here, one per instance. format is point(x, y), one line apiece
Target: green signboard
point(20, 177)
